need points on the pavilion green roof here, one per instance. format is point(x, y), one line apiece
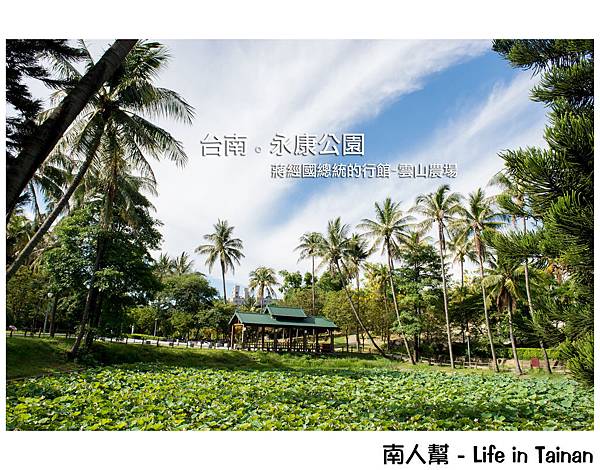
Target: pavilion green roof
point(264, 319)
point(291, 312)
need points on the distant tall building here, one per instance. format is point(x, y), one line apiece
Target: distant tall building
point(235, 296)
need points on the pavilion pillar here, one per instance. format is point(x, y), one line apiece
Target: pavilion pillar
point(316, 334)
point(331, 340)
point(262, 338)
point(289, 339)
point(232, 336)
point(275, 341)
point(304, 345)
point(242, 336)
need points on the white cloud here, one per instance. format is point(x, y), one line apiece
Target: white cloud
point(258, 88)
point(506, 120)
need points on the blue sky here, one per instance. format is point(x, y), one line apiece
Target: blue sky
point(416, 102)
point(413, 118)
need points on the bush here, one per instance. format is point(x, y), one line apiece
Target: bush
point(580, 358)
point(140, 336)
point(527, 353)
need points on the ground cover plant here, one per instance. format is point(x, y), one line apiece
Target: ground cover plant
point(294, 397)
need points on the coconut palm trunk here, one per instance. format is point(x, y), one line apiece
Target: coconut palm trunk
point(528, 291)
point(60, 206)
point(358, 310)
point(445, 291)
point(395, 301)
point(386, 310)
point(223, 276)
point(513, 344)
point(313, 287)
point(21, 170)
point(355, 312)
point(485, 310)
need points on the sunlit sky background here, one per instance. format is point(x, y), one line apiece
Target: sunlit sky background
point(415, 101)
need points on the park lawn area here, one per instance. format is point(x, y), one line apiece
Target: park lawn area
point(30, 356)
point(162, 388)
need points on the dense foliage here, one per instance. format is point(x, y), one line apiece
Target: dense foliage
point(557, 184)
point(174, 398)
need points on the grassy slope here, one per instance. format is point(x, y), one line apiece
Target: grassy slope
point(29, 356)
point(32, 356)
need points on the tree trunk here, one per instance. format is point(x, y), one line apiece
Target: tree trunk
point(445, 292)
point(91, 299)
point(102, 244)
point(485, 310)
point(62, 203)
point(53, 316)
point(313, 287)
point(21, 169)
point(223, 275)
point(94, 322)
point(36, 205)
point(385, 331)
point(358, 310)
point(391, 269)
point(518, 370)
point(530, 304)
point(358, 319)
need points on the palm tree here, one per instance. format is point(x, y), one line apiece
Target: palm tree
point(512, 201)
point(182, 264)
point(164, 265)
point(357, 252)
point(333, 255)
point(310, 245)
point(462, 250)
point(387, 231)
point(113, 126)
point(503, 279)
point(223, 247)
point(115, 135)
point(477, 217)
point(439, 208)
point(411, 249)
point(264, 280)
point(21, 170)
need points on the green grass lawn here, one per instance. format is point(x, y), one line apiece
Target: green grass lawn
point(144, 387)
point(31, 356)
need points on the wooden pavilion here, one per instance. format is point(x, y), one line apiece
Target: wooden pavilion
point(281, 329)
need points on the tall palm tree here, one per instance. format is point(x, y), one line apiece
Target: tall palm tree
point(116, 136)
point(21, 169)
point(264, 280)
point(476, 217)
point(182, 264)
point(357, 252)
point(164, 265)
point(409, 251)
point(310, 245)
point(334, 255)
point(114, 125)
point(223, 247)
point(388, 230)
point(462, 250)
point(439, 208)
point(512, 201)
point(503, 280)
